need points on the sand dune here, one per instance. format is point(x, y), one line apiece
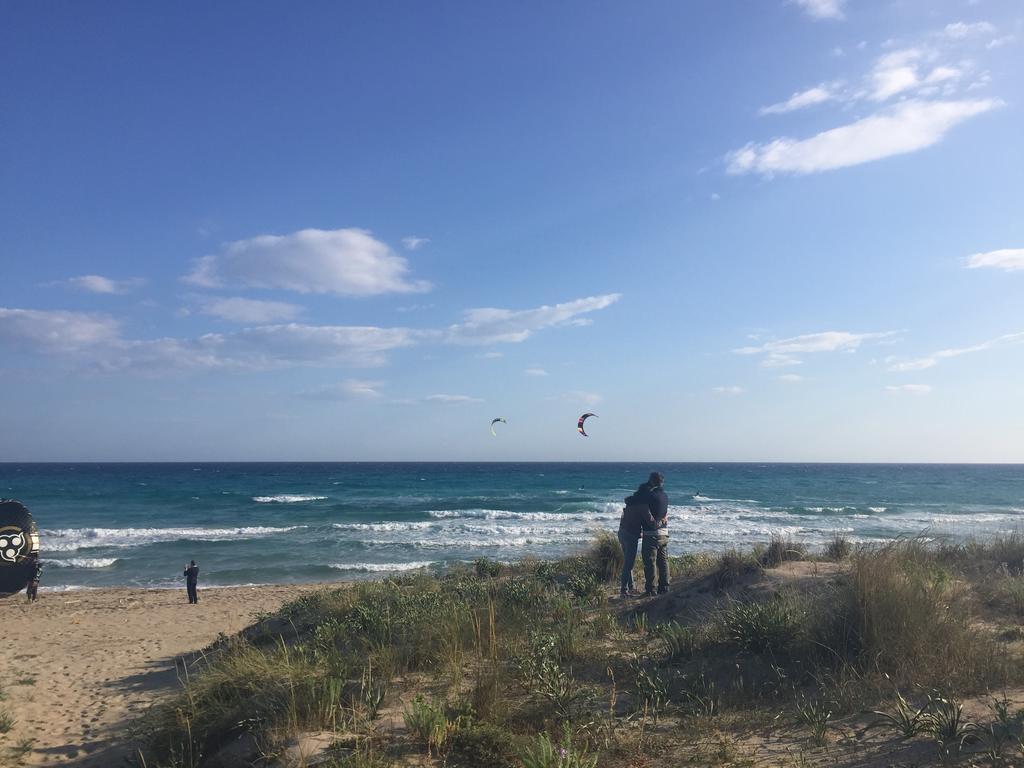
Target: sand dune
point(78, 666)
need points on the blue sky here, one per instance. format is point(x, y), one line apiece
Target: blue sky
point(783, 230)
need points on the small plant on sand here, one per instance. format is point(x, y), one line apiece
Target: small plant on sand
point(838, 547)
point(428, 722)
point(371, 694)
point(1003, 732)
point(651, 689)
point(681, 642)
point(7, 721)
point(544, 753)
point(905, 718)
point(816, 715)
point(544, 676)
point(947, 725)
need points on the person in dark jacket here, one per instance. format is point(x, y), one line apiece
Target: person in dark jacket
point(192, 581)
point(630, 530)
point(636, 518)
point(654, 549)
point(32, 591)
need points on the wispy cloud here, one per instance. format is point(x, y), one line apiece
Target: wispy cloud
point(239, 310)
point(730, 389)
point(56, 331)
point(908, 127)
point(917, 93)
point(452, 399)
point(412, 242)
point(96, 341)
point(100, 284)
point(346, 262)
point(1006, 259)
point(791, 377)
point(911, 389)
point(930, 361)
point(582, 398)
point(490, 326)
point(959, 30)
point(822, 9)
point(535, 372)
point(350, 389)
point(816, 95)
point(826, 341)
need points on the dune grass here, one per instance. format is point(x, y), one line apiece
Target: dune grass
point(527, 663)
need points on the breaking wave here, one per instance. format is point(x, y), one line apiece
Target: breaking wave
point(286, 498)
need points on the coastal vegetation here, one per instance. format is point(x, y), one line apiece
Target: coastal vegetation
point(908, 652)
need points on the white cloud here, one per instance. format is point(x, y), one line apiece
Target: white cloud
point(491, 355)
point(1006, 259)
point(55, 331)
point(490, 326)
point(822, 9)
point(412, 242)
point(347, 262)
point(96, 341)
point(959, 30)
point(791, 377)
point(731, 389)
point(999, 42)
point(941, 74)
point(911, 389)
point(350, 389)
point(535, 372)
point(921, 363)
point(826, 341)
point(580, 397)
point(715, 197)
point(908, 127)
point(816, 95)
point(451, 399)
point(895, 73)
point(239, 310)
point(100, 284)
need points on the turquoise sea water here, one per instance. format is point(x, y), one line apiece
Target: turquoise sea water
point(137, 524)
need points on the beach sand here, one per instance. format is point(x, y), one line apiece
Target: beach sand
point(77, 667)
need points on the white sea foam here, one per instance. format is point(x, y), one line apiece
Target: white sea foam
point(504, 514)
point(286, 498)
point(83, 562)
point(408, 525)
point(382, 567)
point(70, 539)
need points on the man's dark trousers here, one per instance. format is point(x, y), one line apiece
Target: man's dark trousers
point(655, 549)
point(193, 597)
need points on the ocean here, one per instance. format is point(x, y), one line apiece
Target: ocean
point(136, 525)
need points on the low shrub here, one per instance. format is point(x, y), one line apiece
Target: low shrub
point(483, 744)
point(733, 566)
point(776, 626)
point(781, 550)
point(838, 547)
point(605, 556)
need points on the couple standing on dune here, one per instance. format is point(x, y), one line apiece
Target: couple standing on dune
point(645, 517)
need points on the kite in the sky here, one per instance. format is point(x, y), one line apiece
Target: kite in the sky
point(579, 424)
point(495, 421)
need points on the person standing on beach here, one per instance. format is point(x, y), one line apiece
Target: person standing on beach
point(32, 591)
point(192, 581)
point(654, 549)
point(630, 529)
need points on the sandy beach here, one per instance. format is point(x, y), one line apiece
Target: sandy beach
point(79, 666)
